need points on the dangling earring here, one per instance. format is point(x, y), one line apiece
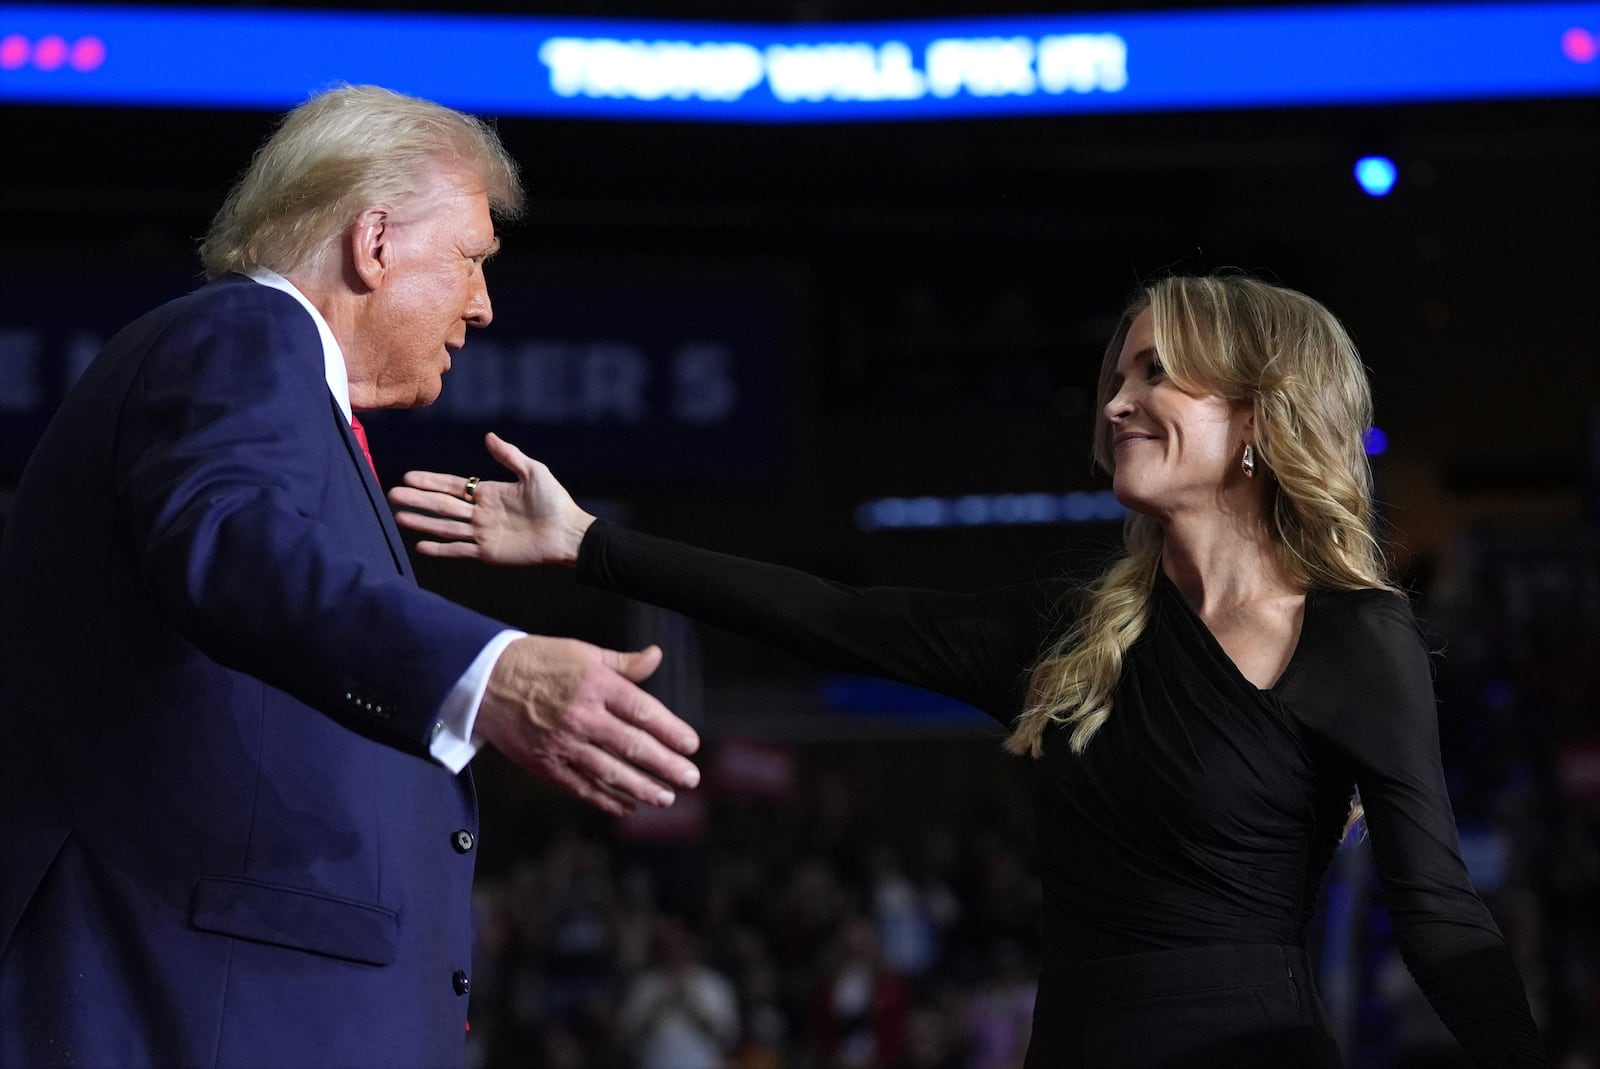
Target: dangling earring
point(1249, 461)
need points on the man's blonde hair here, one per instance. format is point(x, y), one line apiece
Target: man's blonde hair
point(340, 152)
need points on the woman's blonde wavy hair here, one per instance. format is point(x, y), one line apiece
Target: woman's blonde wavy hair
point(337, 154)
point(1287, 357)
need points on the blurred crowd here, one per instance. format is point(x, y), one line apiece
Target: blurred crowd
point(790, 933)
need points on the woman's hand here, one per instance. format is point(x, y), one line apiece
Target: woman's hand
point(531, 521)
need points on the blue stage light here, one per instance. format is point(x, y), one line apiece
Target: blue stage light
point(1375, 441)
point(990, 510)
point(1376, 175)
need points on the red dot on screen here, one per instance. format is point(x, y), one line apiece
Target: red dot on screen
point(87, 53)
point(1579, 45)
point(50, 53)
point(14, 51)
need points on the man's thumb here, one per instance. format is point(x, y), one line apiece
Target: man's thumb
point(638, 665)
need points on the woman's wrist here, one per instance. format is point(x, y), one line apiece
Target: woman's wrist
point(577, 528)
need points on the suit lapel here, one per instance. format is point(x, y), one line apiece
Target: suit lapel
point(380, 505)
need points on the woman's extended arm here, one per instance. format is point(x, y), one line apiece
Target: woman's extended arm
point(975, 647)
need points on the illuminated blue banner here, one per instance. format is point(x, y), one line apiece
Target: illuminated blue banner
point(594, 68)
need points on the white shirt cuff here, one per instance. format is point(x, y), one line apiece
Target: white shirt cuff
point(453, 743)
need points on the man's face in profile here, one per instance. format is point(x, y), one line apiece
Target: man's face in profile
point(433, 289)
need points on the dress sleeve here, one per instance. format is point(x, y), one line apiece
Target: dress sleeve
point(977, 648)
point(1382, 723)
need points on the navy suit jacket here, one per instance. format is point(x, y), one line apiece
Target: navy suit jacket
point(221, 839)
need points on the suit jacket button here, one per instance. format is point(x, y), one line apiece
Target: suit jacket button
point(462, 840)
point(462, 984)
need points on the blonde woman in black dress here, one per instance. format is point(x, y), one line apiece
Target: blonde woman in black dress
point(1201, 724)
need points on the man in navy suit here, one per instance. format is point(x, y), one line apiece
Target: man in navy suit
point(235, 828)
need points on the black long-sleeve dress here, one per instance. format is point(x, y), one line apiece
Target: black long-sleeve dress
point(1183, 850)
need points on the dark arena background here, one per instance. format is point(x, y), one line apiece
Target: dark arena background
point(860, 336)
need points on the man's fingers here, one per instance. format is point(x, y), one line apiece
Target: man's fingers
point(598, 757)
point(640, 709)
point(646, 733)
point(621, 775)
point(659, 750)
point(587, 789)
point(637, 729)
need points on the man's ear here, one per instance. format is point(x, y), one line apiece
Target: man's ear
point(368, 242)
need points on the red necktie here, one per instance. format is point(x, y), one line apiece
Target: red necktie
point(361, 440)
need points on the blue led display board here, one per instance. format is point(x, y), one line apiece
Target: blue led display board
point(595, 68)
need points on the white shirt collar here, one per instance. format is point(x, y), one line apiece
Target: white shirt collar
point(332, 356)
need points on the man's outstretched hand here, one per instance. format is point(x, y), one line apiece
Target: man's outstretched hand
point(572, 713)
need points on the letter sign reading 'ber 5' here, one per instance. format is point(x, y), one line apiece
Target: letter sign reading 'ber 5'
point(592, 382)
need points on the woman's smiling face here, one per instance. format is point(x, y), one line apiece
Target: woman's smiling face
point(1171, 451)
